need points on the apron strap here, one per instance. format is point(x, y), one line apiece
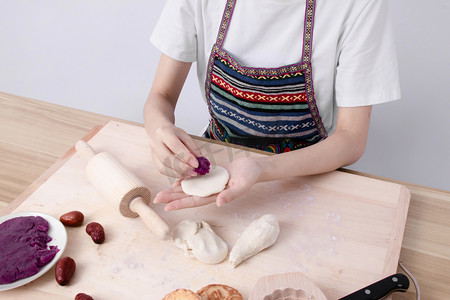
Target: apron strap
point(308, 30)
point(228, 12)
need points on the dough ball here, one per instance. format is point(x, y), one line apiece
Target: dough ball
point(205, 185)
point(259, 235)
point(199, 240)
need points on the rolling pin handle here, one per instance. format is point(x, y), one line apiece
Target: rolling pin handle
point(85, 151)
point(150, 218)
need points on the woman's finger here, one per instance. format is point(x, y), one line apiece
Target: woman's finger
point(189, 143)
point(177, 183)
point(235, 189)
point(169, 161)
point(190, 201)
point(165, 170)
point(183, 154)
point(170, 195)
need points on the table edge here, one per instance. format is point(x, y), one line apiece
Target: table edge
point(48, 173)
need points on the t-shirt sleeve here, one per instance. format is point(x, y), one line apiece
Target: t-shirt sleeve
point(367, 71)
point(174, 33)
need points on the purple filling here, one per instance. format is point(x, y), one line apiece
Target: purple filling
point(23, 247)
point(203, 165)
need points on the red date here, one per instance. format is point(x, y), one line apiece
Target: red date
point(64, 270)
point(72, 219)
point(96, 231)
point(83, 296)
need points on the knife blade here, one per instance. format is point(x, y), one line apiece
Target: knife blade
point(380, 289)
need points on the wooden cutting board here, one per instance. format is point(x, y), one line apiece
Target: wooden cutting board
point(342, 231)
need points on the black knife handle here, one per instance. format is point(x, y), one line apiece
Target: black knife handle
point(380, 289)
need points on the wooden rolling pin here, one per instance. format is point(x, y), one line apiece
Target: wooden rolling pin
point(119, 186)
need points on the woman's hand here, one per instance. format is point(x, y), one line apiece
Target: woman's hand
point(244, 173)
point(173, 151)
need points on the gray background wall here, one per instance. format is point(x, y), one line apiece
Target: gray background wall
point(96, 56)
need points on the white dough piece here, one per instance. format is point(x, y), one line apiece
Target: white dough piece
point(199, 240)
point(258, 235)
point(205, 185)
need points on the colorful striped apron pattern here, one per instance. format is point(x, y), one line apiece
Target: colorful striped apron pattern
point(271, 109)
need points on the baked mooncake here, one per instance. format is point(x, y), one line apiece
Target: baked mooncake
point(219, 292)
point(182, 294)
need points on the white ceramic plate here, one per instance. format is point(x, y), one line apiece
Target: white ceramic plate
point(57, 232)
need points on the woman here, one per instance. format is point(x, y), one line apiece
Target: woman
point(270, 85)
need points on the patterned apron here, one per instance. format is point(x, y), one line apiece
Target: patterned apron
point(268, 109)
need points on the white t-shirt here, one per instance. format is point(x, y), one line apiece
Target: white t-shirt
point(353, 55)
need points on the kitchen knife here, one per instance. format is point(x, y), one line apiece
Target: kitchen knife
point(380, 289)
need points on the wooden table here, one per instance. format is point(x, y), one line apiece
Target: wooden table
point(35, 134)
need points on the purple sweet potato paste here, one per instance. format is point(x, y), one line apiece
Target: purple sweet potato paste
point(23, 247)
point(203, 165)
